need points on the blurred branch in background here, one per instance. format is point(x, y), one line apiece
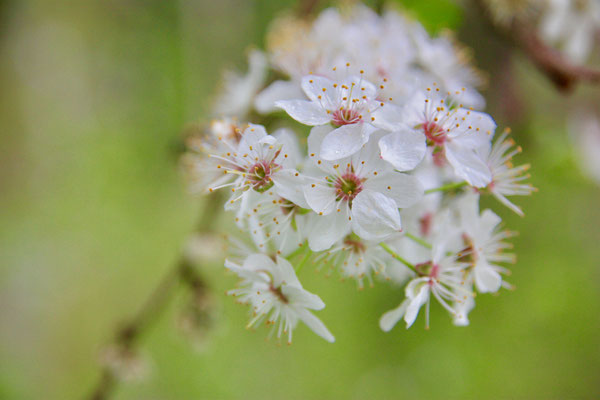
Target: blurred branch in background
point(122, 353)
point(563, 74)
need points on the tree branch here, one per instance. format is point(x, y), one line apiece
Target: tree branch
point(560, 71)
point(183, 272)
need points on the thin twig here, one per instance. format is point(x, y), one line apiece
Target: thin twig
point(307, 7)
point(129, 335)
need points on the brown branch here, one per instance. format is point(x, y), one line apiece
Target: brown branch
point(131, 332)
point(561, 72)
point(128, 336)
point(307, 7)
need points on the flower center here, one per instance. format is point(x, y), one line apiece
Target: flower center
point(435, 134)
point(428, 269)
point(348, 186)
point(345, 116)
point(354, 243)
point(260, 175)
point(278, 293)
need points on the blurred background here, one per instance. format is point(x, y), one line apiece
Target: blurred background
point(93, 211)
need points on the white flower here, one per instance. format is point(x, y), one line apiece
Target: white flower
point(356, 258)
point(484, 243)
point(275, 294)
point(506, 178)
point(360, 193)
point(346, 104)
point(571, 25)
point(238, 92)
point(257, 162)
point(441, 277)
point(456, 134)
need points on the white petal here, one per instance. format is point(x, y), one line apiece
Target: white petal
point(389, 117)
point(324, 231)
point(302, 298)
point(305, 112)
point(415, 304)
point(391, 318)
point(278, 90)
point(468, 165)
point(320, 197)
point(318, 86)
point(286, 274)
point(344, 141)
point(374, 215)
point(487, 279)
point(404, 149)
point(405, 190)
point(315, 324)
point(288, 184)
point(290, 147)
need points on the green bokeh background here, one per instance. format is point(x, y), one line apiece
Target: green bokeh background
point(93, 210)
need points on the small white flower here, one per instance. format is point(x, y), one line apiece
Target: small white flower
point(455, 134)
point(360, 193)
point(275, 294)
point(356, 258)
point(442, 278)
point(506, 178)
point(347, 105)
point(257, 162)
point(484, 243)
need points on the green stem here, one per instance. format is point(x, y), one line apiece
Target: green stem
point(445, 188)
point(418, 240)
point(304, 259)
point(397, 257)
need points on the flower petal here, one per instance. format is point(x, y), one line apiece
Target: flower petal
point(374, 215)
point(320, 197)
point(315, 324)
point(321, 91)
point(404, 189)
point(305, 112)
point(344, 141)
point(278, 90)
point(327, 229)
point(487, 279)
point(468, 165)
point(404, 149)
point(391, 318)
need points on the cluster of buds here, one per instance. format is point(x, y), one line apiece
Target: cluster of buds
point(382, 183)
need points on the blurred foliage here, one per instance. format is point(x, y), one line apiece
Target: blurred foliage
point(93, 210)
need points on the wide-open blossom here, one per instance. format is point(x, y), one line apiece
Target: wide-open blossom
point(276, 295)
point(455, 134)
point(258, 162)
point(361, 193)
point(347, 105)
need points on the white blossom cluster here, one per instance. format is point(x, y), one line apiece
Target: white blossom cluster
point(376, 156)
